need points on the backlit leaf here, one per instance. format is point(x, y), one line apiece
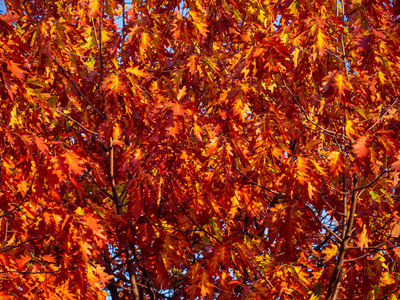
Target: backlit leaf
point(73, 162)
point(360, 147)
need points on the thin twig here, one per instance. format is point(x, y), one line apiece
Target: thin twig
point(22, 201)
point(76, 122)
point(334, 134)
point(374, 180)
point(322, 224)
point(27, 241)
point(262, 275)
point(383, 115)
point(83, 56)
point(277, 194)
point(199, 227)
point(78, 90)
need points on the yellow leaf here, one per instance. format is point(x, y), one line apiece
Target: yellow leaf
point(310, 190)
point(182, 93)
point(15, 117)
point(329, 252)
point(321, 43)
point(382, 77)
point(349, 128)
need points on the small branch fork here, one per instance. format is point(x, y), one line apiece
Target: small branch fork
point(74, 121)
point(347, 226)
point(128, 250)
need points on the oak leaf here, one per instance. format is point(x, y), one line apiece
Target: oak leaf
point(360, 147)
point(73, 161)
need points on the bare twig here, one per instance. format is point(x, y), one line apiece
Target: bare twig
point(74, 121)
point(374, 180)
point(322, 224)
point(5, 249)
point(262, 275)
point(75, 54)
point(383, 115)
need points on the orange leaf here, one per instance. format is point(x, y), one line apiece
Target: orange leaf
point(21, 262)
point(15, 70)
point(113, 85)
point(93, 223)
point(396, 164)
point(41, 145)
point(197, 131)
point(138, 73)
point(49, 258)
point(360, 148)
point(178, 109)
point(173, 130)
point(341, 83)
point(335, 162)
point(145, 41)
point(199, 23)
point(362, 238)
point(321, 43)
point(182, 93)
point(395, 229)
point(73, 161)
point(320, 168)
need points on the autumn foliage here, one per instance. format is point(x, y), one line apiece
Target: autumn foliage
point(205, 149)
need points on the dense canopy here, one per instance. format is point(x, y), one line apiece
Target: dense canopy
point(199, 149)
